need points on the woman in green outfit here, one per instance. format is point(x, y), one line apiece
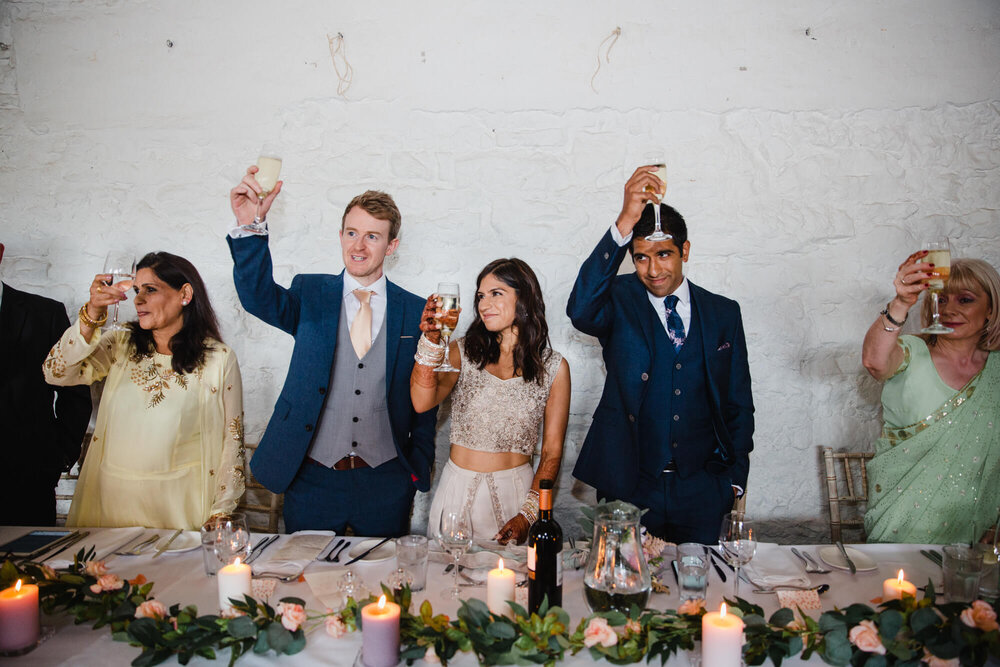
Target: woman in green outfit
point(935, 478)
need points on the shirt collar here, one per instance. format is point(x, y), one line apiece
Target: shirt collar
point(351, 283)
point(683, 293)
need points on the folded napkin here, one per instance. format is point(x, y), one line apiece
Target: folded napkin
point(773, 566)
point(300, 549)
point(104, 540)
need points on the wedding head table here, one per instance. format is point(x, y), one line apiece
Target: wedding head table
point(178, 577)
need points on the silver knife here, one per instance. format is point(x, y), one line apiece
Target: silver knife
point(264, 543)
point(367, 551)
point(168, 542)
point(67, 544)
point(843, 552)
point(68, 537)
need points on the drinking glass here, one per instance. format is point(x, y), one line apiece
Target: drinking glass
point(938, 254)
point(658, 233)
point(268, 170)
point(961, 567)
point(738, 539)
point(121, 267)
point(232, 538)
point(455, 535)
point(448, 293)
point(692, 570)
point(411, 555)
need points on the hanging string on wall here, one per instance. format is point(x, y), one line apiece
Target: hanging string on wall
point(338, 54)
point(613, 37)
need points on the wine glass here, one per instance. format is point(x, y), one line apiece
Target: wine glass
point(268, 170)
point(121, 267)
point(232, 538)
point(448, 293)
point(939, 254)
point(658, 233)
point(455, 535)
point(738, 539)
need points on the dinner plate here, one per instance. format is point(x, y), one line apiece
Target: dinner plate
point(186, 541)
point(832, 557)
point(384, 552)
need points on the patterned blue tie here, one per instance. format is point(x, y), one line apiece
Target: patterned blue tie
point(675, 326)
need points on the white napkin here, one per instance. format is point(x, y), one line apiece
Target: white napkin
point(104, 540)
point(300, 549)
point(773, 566)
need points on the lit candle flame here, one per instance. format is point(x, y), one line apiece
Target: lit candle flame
point(381, 602)
point(500, 564)
point(17, 586)
point(722, 610)
point(900, 578)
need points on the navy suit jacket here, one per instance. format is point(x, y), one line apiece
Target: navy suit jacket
point(309, 310)
point(615, 309)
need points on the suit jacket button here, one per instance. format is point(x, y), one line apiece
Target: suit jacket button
point(677, 366)
point(677, 392)
point(677, 418)
point(631, 418)
point(674, 445)
point(606, 256)
point(645, 376)
point(309, 427)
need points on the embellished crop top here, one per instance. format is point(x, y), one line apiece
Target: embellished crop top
point(493, 415)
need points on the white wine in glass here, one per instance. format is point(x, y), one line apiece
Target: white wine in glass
point(121, 267)
point(939, 254)
point(658, 233)
point(448, 293)
point(268, 171)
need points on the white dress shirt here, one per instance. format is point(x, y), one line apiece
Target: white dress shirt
point(378, 301)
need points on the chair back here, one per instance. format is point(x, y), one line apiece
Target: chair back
point(847, 491)
point(262, 507)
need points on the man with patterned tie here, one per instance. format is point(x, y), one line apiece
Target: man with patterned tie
point(343, 444)
point(674, 427)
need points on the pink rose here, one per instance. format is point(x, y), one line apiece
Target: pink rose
point(633, 626)
point(96, 568)
point(865, 637)
point(599, 632)
point(980, 615)
point(933, 661)
point(151, 609)
point(227, 612)
point(691, 607)
point(107, 582)
point(292, 615)
point(335, 626)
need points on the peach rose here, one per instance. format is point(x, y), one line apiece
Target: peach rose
point(933, 661)
point(151, 609)
point(599, 632)
point(980, 615)
point(96, 568)
point(292, 615)
point(633, 626)
point(865, 637)
point(335, 626)
point(431, 656)
point(691, 607)
point(229, 612)
point(107, 582)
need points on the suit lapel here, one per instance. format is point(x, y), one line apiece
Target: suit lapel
point(393, 324)
point(333, 294)
point(638, 304)
point(701, 307)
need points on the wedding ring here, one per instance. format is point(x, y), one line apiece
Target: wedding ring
point(98, 289)
point(902, 281)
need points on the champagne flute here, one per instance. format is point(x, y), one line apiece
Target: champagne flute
point(658, 233)
point(448, 293)
point(738, 539)
point(121, 267)
point(938, 254)
point(455, 535)
point(268, 170)
point(232, 539)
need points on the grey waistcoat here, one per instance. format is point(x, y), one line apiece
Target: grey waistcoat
point(355, 416)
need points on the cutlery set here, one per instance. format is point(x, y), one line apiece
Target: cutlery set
point(850, 563)
point(259, 548)
point(812, 566)
point(334, 555)
point(933, 556)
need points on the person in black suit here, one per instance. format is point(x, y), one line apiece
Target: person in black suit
point(37, 442)
point(674, 427)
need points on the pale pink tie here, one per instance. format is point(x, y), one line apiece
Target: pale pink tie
point(361, 328)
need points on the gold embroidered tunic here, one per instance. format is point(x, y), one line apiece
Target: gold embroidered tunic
point(167, 450)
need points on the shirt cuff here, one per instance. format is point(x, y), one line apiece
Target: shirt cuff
point(238, 232)
point(618, 238)
point(738, 489)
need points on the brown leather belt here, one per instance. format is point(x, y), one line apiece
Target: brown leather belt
point(346, 463)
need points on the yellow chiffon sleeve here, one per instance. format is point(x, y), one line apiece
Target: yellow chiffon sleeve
point(230, 484)
point(73, 360)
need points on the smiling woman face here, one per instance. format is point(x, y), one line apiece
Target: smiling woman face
point(497, 303)
point(965, 310)
point(160, 307)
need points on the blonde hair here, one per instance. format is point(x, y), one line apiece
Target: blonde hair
point(973, 274)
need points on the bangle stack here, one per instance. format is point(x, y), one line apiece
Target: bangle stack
point(428, 353)
point(90, 322)
point(888, 318)
point(529, 510)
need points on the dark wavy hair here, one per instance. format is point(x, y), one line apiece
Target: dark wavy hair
point(482, 346)
point(189, 345)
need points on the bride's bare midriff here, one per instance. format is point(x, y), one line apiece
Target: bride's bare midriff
point(471, 459)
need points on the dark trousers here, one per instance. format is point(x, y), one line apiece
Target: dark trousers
point(28, 498)
point(372, 501)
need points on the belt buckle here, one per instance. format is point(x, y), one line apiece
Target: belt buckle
point(353, 457)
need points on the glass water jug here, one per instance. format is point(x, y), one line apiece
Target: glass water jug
point(617, 575)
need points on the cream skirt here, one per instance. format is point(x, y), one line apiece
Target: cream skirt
point(493, 498)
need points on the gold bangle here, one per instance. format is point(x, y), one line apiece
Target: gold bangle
point(90, 322)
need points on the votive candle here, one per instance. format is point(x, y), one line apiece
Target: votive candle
point(895, 589)
point(234, 582)
point(19, 624)
point(721, 639)
point(500, 584)
point(380, 633)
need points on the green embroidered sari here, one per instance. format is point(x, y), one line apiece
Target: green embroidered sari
point(935, 480)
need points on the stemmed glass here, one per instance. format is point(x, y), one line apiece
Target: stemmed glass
point(939, 254)
point(232, 539)
point(121, 267)
point(268, 170)
point(448, 293)
point(455, 535)
point(738, 539)
point(658, 233)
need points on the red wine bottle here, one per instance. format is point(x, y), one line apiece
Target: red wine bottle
point(545, 540)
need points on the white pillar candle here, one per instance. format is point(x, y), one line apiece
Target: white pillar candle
point(721, 639)
point(499, 589)
point(895, 589)
point(19, 625)
point(380, 634)
point(234, 582)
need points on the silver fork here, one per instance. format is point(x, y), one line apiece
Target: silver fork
point(137, 549)
point(811, 565)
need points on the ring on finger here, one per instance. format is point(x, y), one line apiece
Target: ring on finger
point(99, 289)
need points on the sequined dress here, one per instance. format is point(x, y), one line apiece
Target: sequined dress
point(167, 449)
point(935, 477)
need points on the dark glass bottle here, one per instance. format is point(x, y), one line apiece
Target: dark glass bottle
point(545, 540)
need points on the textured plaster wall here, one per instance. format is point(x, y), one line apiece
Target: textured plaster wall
point(810, 145)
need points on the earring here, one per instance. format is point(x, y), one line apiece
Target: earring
point(184, 303)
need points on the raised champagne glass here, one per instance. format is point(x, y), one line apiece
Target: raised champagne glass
point(658, 233)
point(121, 267)
point(448, 293)
point(939, 254)
point(268, 170)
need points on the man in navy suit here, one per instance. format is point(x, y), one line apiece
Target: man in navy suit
point(343, 444)
point(674, 427)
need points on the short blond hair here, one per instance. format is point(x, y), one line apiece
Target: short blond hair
point(973, 273)
point(380, 206)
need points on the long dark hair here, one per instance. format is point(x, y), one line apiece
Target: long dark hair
point(189, 345)
point(482, 346)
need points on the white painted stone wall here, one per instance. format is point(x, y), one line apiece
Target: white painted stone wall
point(810, 146)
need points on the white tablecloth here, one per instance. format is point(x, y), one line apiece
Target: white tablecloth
point(180, 578)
